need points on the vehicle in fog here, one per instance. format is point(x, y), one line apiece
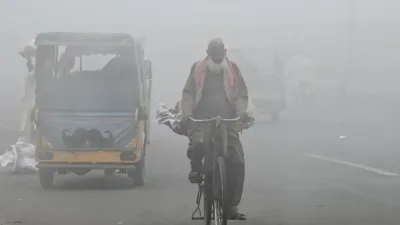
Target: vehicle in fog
point(90, 118)
point(306, 94)
point(263, 70)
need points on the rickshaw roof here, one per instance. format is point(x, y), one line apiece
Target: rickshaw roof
point(85, 39)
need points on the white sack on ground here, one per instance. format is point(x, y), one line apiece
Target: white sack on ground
point(19, 157)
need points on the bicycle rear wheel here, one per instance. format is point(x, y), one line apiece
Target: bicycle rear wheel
point(221, 204)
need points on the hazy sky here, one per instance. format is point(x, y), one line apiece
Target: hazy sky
point(181, 28)
point(154, 17)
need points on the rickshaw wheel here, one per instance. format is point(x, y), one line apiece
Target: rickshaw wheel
point(46, 177)
point(137, 174)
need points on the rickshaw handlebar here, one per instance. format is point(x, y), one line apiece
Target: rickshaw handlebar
point(218, 119)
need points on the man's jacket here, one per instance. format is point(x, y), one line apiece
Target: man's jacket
point(234, 85)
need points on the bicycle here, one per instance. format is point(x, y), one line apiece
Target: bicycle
point(214, 184)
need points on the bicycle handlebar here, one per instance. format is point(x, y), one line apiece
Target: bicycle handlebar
point(218, 118)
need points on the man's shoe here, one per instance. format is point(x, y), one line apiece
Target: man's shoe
point(237, 216)
point(194, 177)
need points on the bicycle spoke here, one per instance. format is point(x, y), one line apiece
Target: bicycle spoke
point(218, 211)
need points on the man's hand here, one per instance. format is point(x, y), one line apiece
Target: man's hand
point(183, 124)
point(243, 116)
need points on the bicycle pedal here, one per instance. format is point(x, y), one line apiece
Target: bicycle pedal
point(198, 218)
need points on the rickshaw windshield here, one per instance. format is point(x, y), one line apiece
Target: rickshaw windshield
point(87, 79)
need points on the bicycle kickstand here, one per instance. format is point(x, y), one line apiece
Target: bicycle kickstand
point(198, 210)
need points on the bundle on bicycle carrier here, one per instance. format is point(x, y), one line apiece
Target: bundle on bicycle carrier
point(171, 118)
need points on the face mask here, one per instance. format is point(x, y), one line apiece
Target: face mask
point(214, 67)
point(217, 55)
point(217, 60)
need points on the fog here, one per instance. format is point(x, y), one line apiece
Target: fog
point(350, 130)
point(182, 29)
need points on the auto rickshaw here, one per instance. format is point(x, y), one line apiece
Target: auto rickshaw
point(88, 116)
point(263, 69)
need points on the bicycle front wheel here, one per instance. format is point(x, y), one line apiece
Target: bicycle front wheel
point(207, 200)
point(221, 203)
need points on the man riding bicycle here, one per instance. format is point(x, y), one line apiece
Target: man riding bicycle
point(215, 87)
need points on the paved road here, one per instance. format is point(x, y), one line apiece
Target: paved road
point(319, 167)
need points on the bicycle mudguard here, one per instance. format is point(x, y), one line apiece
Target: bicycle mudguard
point(224, 139)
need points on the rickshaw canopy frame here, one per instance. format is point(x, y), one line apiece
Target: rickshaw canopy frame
point(85, 39)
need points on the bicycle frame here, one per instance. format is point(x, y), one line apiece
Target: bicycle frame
point(217, 128)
